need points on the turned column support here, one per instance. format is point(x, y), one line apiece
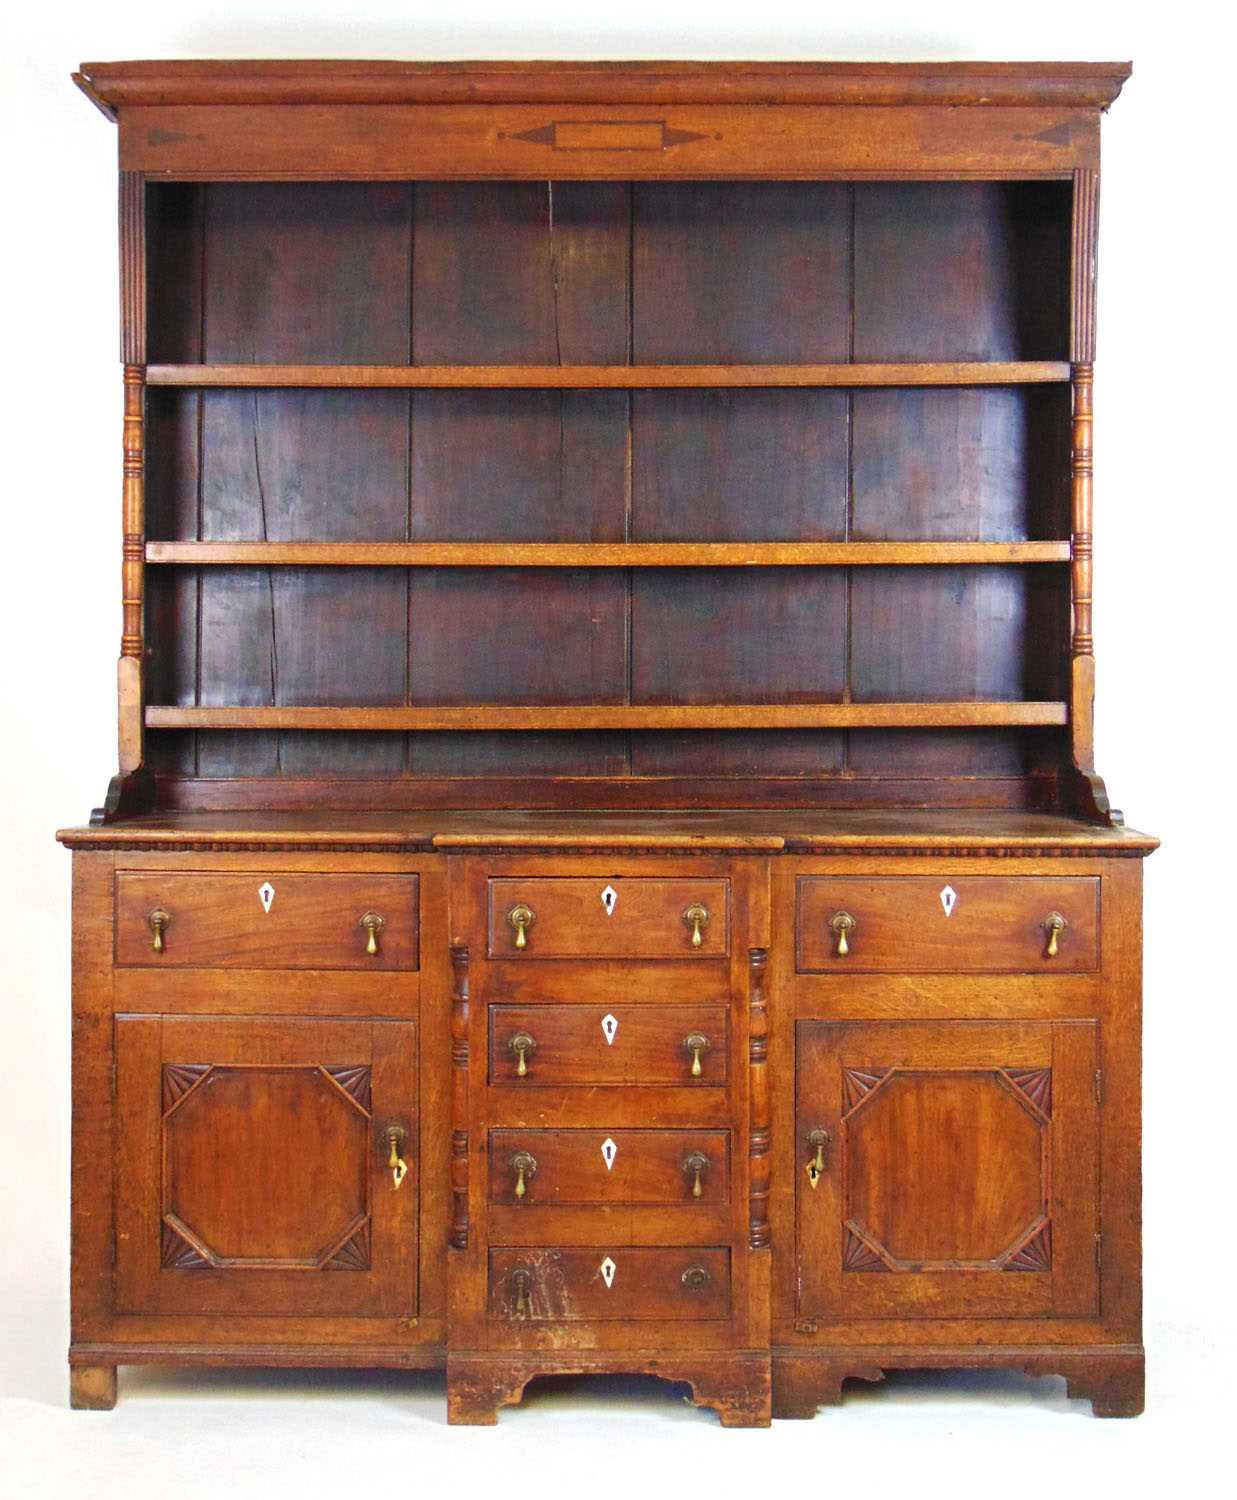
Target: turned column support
point(459, 1097)
point(760, 1136)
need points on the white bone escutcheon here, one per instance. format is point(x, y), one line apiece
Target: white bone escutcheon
point(266, 895)
point(609, 1027)
point(608, 1152)
point(608, 1269)
point(609, 899)
point(949, 899)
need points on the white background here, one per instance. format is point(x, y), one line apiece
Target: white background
point(1164, 631)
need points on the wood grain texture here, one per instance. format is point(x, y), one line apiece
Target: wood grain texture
point(614, 377)
point(615, 1045)
point(667, 554)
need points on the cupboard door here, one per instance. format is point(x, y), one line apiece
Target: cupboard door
point(252, 1166)
point(947, 1170)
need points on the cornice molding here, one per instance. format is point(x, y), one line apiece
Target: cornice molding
point(1071, 85)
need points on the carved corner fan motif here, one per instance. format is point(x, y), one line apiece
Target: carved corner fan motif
point(178, 1252)
point(858, 1255)
point(180, 1079)
point(1034, 1254)
point(354, 1253)
point(1034, 1084)
point(355, 1082)
point(857, 1084)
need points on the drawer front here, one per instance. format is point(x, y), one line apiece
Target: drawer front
point(618, 1044)
point(252, 921)
point(571, 1168)
point(928, 924)
point(596, 917)
point(535, 1285)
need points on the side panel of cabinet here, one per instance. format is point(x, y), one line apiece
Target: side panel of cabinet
point(252, 1168)
point(950, 1170)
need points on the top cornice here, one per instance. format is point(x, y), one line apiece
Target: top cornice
point(1073, 85)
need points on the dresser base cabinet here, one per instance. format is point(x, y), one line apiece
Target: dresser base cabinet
point(605, 869)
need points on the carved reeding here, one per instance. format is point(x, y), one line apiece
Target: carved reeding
point(760, 1136)
point(132, 268)
point(1083, 245)
point(459, 1097)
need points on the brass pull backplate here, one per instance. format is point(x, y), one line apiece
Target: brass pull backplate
point(159, 922)
point(697, 918)
point(521, 917)
point(818, 1140)
point(373, 925)
point(395, 1136)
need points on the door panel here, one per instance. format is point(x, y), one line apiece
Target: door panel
point(957, 1171)
point(252, 1172)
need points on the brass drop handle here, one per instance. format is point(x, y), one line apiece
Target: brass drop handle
point(1056, 925)
point(522, 1286)
point(818, 1140)
point(697, 918)
point(373, 925)
point(695, 1166)
point(843, 924)
point(523, 1046)
point(395, 1136)
point(524, 1165)
point(696, 1044)
point(521, 918)
point(696, 1278)
point(159, 922)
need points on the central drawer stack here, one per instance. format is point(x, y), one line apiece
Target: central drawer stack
point(608, 1101)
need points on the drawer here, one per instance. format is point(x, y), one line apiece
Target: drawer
point(617, 1044)
point(570, 1168)
point(574, 1285)
point(252, 921)
point(597, 917)
point(926, 924)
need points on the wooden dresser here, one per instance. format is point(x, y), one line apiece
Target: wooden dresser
point(606, 870)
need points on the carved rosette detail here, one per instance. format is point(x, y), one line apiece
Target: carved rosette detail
point(179, 1079)
point(1036, 1085)
point(858, 1255)
point(1035, 1253)
point(858, 1083)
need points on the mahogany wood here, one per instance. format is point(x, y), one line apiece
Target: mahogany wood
point(626, 492)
